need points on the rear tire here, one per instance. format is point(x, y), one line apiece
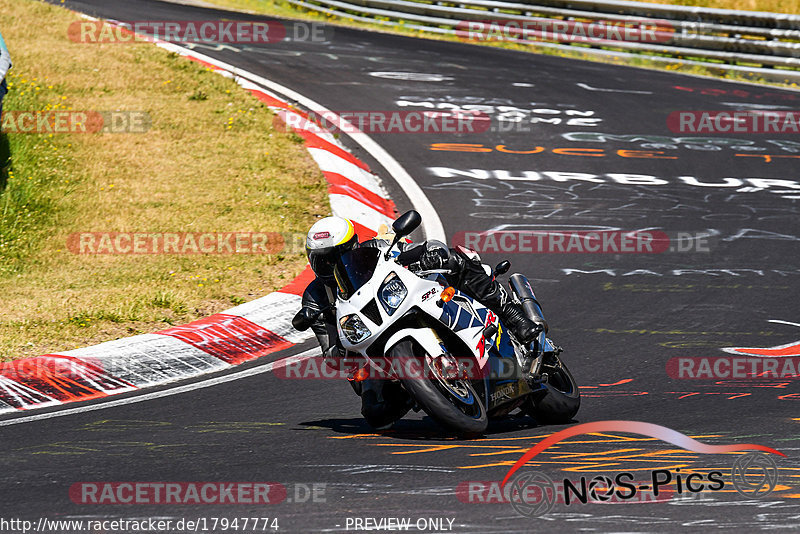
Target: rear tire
point(560, 400)
point(465, 414)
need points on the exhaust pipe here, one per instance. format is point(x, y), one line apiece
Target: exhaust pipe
point(522, 288)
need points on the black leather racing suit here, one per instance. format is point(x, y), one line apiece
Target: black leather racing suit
point(383, 401)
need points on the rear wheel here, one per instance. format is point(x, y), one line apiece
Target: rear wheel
point(450, 401)
point(560, 399)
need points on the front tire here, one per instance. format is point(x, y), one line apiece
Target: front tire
point(560, 400)
point(463, 412)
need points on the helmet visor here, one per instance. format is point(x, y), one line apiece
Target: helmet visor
point(322, 262)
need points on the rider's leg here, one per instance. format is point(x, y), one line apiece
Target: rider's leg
point(470, 277)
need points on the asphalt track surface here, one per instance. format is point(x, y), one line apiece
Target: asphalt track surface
point(619, 325)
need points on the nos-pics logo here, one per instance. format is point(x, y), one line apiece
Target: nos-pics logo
point(532, 493)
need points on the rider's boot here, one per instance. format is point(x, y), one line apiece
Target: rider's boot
point(512, 315)
point(472, 278)
point(524, 329)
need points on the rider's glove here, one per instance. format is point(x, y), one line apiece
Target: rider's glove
point(435, 258)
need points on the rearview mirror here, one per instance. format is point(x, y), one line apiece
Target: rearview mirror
point(406, 223)
point(502, 267)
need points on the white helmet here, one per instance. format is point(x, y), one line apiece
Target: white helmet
point(327, 240)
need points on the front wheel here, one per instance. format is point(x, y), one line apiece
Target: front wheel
point(451, 402)
point(559, 401)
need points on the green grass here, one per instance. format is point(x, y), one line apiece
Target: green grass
point(210, 162)
point(40, 176)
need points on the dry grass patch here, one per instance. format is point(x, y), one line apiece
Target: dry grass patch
point(211, 162)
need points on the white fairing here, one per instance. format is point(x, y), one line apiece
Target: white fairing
point(423, 293)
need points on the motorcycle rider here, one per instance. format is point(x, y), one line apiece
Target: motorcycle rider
point(383, 402)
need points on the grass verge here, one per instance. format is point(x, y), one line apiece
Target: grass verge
point(280, 8)
point(210, 161)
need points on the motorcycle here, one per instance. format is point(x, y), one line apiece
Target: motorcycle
point(452, 355)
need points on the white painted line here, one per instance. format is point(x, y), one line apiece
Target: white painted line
point(783, 322)
point(432, 225)
point(266, 368)
point(603, 90)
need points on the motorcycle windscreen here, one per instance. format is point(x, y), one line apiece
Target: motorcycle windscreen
point(354, 269)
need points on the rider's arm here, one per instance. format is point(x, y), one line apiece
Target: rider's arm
point(316, 298)
point(429, 255)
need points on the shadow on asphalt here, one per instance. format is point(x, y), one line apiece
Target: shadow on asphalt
point(425, 429)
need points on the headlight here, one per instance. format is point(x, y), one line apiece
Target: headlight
point(392, 293)
point(354, 329)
